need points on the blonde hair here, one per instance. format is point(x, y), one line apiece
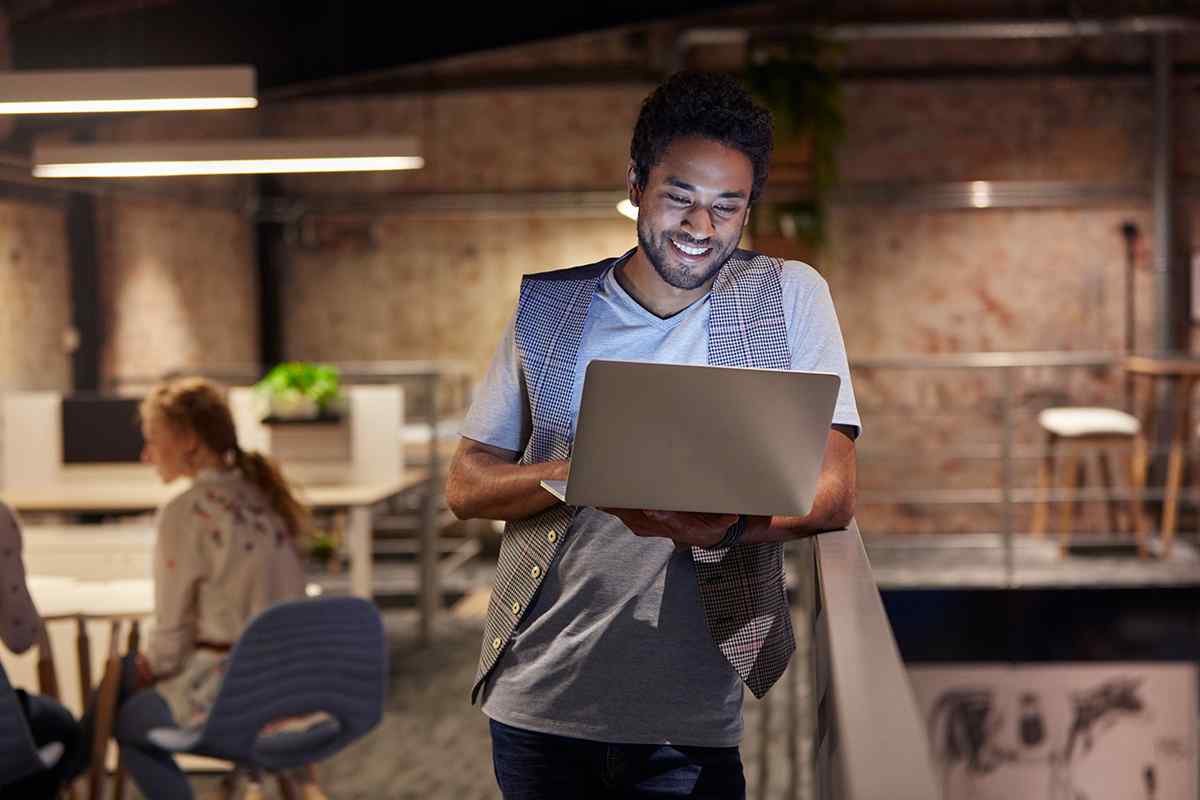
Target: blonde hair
point(198, 405)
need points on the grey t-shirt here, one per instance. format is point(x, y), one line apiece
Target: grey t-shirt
point(615, 646)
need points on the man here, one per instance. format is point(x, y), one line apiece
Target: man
point(618, 641)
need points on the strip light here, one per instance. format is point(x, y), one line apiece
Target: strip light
point(127, 90)
point(245, 157)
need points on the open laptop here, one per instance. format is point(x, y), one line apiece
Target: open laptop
point(726, 440)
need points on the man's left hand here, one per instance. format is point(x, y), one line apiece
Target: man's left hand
point(685, 528)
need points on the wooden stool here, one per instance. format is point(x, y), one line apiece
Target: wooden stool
point(1077, 427)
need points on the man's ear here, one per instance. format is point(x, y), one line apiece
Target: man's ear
point(631, 184)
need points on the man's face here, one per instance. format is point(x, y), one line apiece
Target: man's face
point(692, 210)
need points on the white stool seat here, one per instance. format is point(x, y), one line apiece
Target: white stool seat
point(1075, 421)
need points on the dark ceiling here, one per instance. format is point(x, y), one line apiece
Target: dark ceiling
point(295, 41)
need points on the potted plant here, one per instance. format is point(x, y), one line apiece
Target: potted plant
point(799, 82)
point(301, 390)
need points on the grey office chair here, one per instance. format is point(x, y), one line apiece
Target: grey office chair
point(19, 756)
point(325, 657)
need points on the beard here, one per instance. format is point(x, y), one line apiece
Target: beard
point(674, 271)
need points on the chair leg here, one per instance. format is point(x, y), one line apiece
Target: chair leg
point(287, 787)
point(119, 778)
point(229, 785)
point(106, 706)
point(1068, 507)
point(1041, 508)
point(1137, 482)
point(1106, 480)
point(1175, 459)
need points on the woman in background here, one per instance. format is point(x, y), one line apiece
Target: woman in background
point(225, 551)
point(20, 625)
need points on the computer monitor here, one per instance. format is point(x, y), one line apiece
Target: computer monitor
point(100, 429)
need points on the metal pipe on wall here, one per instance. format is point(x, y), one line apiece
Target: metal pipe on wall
point(1165, 325)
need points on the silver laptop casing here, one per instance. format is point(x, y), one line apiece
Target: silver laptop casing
point(726, 440)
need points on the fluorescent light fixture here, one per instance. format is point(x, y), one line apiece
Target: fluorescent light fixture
point(981, 194)
point(627, 209)
point(242, 157)
point(114, 90)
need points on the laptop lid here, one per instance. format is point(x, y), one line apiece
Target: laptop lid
point(729, 440)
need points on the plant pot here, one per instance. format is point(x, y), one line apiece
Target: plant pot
point(293, 405)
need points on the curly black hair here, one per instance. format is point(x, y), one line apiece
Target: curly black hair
point(706, 104)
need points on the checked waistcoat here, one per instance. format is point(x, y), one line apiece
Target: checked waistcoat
point(741, 587)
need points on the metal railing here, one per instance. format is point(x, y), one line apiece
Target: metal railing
point(1006, 365)
point(870, 737)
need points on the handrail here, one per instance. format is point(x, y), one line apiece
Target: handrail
point(995, 360)
point(1006, 363)
point(871, 741)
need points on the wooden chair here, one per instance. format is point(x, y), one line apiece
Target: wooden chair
point(106, 706)
point(1075, 429)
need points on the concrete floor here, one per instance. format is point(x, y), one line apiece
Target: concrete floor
point(433, 745)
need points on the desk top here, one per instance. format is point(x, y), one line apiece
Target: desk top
point(57, 597)
point(111, 497)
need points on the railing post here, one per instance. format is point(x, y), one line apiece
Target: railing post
point(1006, 449)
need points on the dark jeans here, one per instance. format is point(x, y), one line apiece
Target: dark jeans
point(540, 766)
point(49, 722)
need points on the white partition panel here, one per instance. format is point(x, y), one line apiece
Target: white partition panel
point(363, 448)
point(32, 438)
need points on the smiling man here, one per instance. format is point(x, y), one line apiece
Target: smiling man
point(607, 668)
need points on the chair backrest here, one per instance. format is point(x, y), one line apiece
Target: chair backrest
point(18, 754)
point(299, 657)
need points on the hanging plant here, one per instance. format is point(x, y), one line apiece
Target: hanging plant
point(799, 83)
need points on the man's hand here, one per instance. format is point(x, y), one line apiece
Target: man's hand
point(685, 528)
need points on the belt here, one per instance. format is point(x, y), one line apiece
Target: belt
point(219, 647)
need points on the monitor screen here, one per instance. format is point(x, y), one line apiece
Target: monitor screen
point(100, 429)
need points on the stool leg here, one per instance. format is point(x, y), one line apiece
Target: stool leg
point(1106, 480)
point(1137, 482)
point(1179, 435)
point(1068, 507)
point(1041, 508)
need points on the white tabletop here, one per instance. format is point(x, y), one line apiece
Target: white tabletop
point(57, 596)
point(104, 497)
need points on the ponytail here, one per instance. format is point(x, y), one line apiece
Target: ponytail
point(265, 474)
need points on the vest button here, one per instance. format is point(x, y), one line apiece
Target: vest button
point(552, 536)
point(516, 607)
point(536, 572)
point(496, 643)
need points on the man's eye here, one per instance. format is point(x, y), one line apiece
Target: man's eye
point(677, 198)
point(725, 209)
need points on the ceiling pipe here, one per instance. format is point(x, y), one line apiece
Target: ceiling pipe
point(894, 31)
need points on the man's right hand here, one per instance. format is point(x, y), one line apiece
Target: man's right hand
point(485, 482)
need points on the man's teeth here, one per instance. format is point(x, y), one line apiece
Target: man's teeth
point(689, 249)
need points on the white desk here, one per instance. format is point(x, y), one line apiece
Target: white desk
point(139, 496)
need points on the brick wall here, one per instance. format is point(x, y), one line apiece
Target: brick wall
point(179, 285)
point(35, 297)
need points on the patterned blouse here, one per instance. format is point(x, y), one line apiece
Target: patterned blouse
point(222, 555)
point(19, 620)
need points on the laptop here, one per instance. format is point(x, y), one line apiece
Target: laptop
point(725, 440)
